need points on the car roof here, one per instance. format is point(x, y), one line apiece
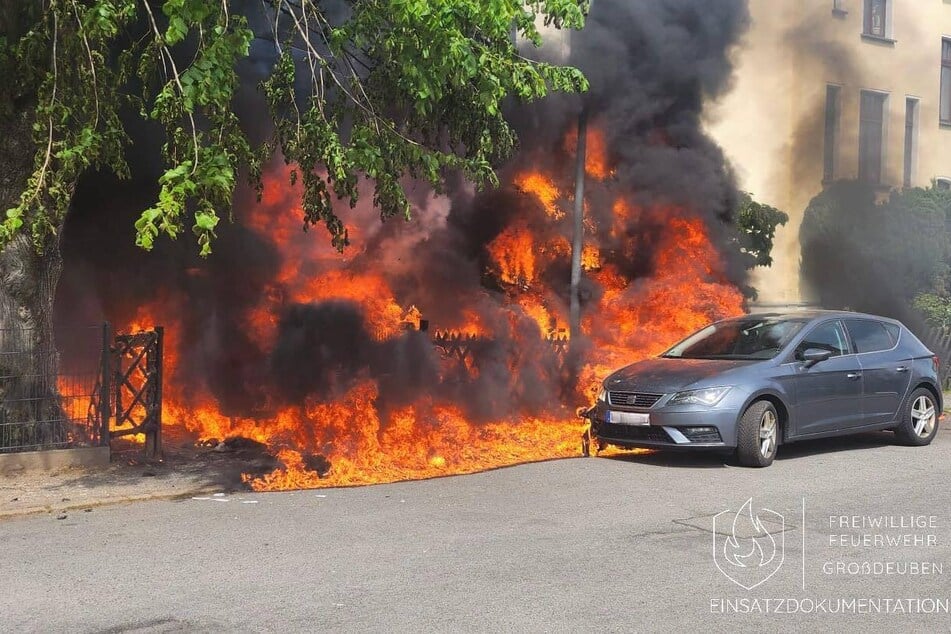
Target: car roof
point(816, 314)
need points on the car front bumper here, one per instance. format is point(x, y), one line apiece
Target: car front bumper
point(669, 428)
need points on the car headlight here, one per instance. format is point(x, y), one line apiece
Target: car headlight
point(603, 395)
point(709, 396)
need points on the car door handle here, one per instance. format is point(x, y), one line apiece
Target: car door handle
point(852, 376)
point(902, 368)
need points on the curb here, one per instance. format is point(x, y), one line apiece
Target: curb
point(53, 508)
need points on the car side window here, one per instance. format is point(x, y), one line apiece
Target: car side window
point(869, 336)
point(828, 336)
point(894, 332)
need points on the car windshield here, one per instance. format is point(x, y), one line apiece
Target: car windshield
point(751, 338)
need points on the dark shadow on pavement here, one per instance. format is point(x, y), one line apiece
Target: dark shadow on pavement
point(185, 464)
point(807, 448)
point(187, 469)
point(792, 451)
point(192, 471)
point(676, 459)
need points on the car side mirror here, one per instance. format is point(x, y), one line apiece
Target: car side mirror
point(813, 356)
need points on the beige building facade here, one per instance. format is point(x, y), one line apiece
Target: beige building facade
point(835, 89)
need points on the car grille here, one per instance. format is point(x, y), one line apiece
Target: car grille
point(632, 432)
point(633, 399)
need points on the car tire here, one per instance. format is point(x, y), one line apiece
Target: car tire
point(758, 435)
point(917, 428)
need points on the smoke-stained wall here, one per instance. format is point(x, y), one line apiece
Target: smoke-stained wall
point(772, 125)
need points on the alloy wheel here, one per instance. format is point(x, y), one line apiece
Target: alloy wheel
point(923, 416)
point(767, 433)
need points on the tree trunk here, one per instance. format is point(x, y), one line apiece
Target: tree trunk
point(28, 278)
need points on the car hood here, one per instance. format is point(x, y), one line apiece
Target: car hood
point(663, 375)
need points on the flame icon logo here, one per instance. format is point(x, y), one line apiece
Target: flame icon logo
point(757, 550)
point(748, 545)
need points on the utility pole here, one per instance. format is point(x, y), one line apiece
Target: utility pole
point(577, 244)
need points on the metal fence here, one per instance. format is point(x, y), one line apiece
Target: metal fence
point(464, 348)
point(939, 340)
point(48, 389)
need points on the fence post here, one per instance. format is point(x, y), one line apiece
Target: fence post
point(105, 385)
point(153, 437)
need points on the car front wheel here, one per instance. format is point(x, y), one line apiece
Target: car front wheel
point(758, 435)
point(920, 421)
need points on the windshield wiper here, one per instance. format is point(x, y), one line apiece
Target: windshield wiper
point(723, 357)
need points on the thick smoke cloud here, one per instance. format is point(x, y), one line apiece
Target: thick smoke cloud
point(324, 347)
point(651, 64)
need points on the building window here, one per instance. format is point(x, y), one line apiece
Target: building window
point(911, 141)
point(943, 183)
point(838, 7)
point(946, 82)
point(871, 136)
point(831, 145)
point(876, 18)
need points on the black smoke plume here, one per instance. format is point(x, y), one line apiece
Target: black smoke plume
point(651, 64)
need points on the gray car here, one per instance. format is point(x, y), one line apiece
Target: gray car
point(753, 383)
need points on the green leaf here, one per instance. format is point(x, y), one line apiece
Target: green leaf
point(392, 91)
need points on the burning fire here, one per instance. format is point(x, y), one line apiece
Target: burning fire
point(345, 434)
point(597, 165)
point(513, 251)
point(544, 189)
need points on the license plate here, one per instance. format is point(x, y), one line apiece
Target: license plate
point(628, 418)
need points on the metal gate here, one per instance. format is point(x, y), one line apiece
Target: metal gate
point(128, 398)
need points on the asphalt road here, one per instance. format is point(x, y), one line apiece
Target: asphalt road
point(574, 545)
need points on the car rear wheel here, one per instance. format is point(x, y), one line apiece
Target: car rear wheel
point(758, 435)
point(920, 421)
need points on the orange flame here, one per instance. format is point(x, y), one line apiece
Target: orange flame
point(351, 440)
point(513, 251)
point(544, 189)
point(596, 163)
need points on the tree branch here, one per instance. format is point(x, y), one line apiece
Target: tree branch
point(175, 77)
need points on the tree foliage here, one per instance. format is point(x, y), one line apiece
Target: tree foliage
point(757, 223)
point(866, 254)
point(382, 89)
point(935, 308)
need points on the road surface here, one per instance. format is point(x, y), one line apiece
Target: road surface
point(599, 544)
